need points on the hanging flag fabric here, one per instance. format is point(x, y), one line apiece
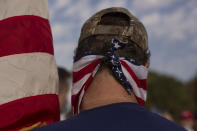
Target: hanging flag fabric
point(28, 72)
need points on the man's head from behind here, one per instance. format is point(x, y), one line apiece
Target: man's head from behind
point(97, 37)
point(98, 31)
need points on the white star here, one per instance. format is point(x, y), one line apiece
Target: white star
point(116, 45)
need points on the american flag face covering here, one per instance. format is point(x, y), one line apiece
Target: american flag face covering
point(131, 75)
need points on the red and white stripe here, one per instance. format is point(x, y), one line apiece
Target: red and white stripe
point(28, 72)
point(136, 75)
point(85, 69)
point(83, 73)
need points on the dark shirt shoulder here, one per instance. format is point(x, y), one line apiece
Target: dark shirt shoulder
point(115, 117)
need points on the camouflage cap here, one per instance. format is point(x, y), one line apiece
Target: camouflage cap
point(135, 32)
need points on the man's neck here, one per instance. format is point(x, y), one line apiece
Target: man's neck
point(105, 90)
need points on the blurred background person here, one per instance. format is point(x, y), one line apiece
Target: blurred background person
point(168, 116)
point(165, 114)
point(187, 120)
point(64, 88)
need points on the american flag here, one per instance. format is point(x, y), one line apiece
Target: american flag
point(85, 68)
point(28, 72)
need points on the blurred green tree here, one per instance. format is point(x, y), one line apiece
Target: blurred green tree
point(168, 94)
point(192, 90)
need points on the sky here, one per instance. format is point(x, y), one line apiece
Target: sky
point(171, 27)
